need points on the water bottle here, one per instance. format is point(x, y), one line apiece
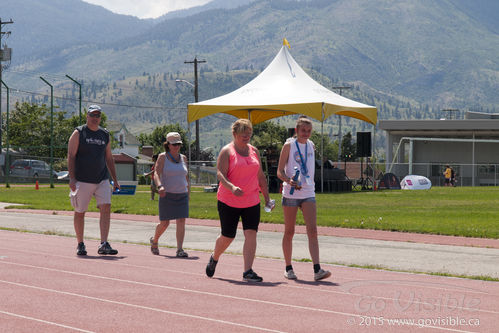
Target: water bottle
point(268, 207)
point(295, 178)
point(114, 191)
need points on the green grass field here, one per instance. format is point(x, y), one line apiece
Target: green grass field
point(465, 211)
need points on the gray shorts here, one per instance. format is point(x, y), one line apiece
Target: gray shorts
point(173, 206)
point(296, 202)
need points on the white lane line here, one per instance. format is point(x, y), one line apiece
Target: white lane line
point(408, 283)
point(198, 292)
point(140, 307)
point(45, 321)
point(322, 290)
point(348, 279)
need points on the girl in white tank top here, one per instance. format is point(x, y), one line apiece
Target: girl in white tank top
point(299, 153)
point(302, 157)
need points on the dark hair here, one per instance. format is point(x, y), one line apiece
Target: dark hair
point(165, 145)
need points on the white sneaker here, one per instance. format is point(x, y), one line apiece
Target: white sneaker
point(321, 274)
point(290, 275)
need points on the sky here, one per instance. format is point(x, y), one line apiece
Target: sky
point(146, 8)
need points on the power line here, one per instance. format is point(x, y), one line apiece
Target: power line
point(62, 79)
point(14, 90)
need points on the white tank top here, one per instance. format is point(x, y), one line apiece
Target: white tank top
point(294, 160)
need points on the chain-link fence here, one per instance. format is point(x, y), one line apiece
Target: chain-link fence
point(25, 168)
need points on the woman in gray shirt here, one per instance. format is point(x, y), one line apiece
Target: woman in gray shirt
point(171, 177)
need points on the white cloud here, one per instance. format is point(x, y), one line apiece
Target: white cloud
point(146, 8)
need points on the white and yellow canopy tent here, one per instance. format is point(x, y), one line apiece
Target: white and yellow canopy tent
point(282, 89)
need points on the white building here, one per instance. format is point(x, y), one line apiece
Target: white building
point(127, 142)
point(424, 147)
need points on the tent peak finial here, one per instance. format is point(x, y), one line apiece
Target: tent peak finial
point(285, 42)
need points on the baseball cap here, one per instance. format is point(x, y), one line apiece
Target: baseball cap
point(94, 108)
point(173, 137)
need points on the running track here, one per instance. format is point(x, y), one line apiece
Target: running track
point(45, 287)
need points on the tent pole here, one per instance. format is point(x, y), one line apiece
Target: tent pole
point(322, 150)
point(374, 157)
point(189, 148)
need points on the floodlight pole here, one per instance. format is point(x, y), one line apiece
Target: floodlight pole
point(340, 139)
point(4, 56)
point(7, 163)
point(51, 131)
point(196, 98)
point(79, 98)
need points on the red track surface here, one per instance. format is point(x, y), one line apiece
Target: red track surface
point(45, 287)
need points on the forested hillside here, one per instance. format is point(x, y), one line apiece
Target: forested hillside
point(409, 58)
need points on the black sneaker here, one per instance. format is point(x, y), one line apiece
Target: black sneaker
point(251, 276)
point(81, 250)
point(105, 248)
point(210, 268)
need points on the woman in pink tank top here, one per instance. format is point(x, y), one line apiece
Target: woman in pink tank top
point(241, 181)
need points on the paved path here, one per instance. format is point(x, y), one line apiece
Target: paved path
point(399, 251)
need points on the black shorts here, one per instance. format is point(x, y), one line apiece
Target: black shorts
point(229, 218)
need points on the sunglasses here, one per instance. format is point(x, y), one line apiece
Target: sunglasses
point(94, 115)
point(176, 144)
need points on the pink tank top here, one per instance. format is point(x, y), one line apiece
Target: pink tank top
point(243, 173)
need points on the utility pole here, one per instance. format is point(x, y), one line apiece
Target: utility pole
point(7, 162)
point(196, 98)
point(340, 139)
point(5, 55)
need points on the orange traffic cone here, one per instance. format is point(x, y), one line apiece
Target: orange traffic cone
point(36, 185)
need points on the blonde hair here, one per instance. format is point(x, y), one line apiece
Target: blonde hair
point(241, 126)
point(303, 120)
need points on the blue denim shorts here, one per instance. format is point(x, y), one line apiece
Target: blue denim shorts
point(296, 202)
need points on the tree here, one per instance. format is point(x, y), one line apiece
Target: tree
point(158, 137)
point(330, 149)
point(35, 120)
point(348, 149)
point(268, 135)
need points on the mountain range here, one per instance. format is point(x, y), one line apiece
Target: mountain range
point(428, 54)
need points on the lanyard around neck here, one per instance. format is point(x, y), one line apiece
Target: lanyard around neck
point(303, 161)
point(173, 159)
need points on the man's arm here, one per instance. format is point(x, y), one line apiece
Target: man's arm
point(110, 165)
point(73, 144)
